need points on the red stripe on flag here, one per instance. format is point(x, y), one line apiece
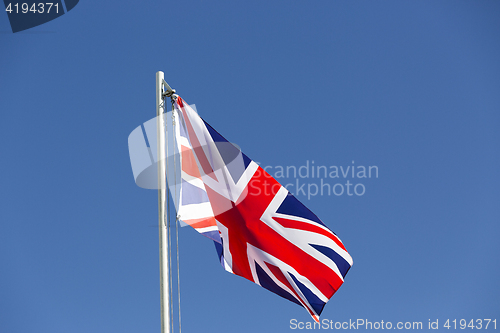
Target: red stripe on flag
point(201, 223)
point(198, 149)
point(189, 164)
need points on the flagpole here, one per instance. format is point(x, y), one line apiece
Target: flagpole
point(162, 197)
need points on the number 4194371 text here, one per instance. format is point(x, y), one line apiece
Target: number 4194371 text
point(474, 324)
point(35, 8)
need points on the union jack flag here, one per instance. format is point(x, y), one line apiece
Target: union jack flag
point(260, 230)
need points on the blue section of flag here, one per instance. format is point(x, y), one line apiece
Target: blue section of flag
point(342, 265)
point(292, 206)
point(219, 138)
point(230, 154)
point(192, 194)
point(213, 235)
point(214, 134)
point(220, 251)
point(315, 302)
point(268, 283)
point(246, 160)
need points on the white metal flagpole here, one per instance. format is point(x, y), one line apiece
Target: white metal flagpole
point(162, 199)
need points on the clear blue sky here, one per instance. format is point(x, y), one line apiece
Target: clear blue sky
point(410, 87)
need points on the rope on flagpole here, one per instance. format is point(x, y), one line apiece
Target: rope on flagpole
point(169, 240)
point(176, 204)
point(171, 93)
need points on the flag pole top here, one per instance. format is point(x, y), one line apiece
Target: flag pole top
point(169, 92)
point(164, 88)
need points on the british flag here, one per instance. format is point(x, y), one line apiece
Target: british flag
point(261, 231)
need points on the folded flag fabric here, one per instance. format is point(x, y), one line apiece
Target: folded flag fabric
point(260, 230)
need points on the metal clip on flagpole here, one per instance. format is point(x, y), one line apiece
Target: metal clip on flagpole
point(169, 92)
point(163, 90)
